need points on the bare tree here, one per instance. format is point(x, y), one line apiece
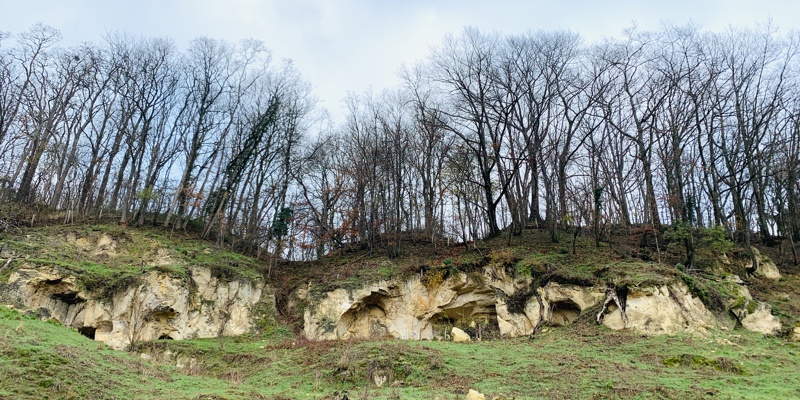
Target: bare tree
point(208, 68)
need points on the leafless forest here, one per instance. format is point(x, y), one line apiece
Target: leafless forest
point(490, 133)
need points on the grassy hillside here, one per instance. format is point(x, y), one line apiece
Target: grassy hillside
point(45, 360)
point(105, 267)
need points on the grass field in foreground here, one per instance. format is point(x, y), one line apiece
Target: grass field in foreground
point(44, 360)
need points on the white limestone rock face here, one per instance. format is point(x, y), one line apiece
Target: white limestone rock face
point(402, 310)
point(663, 310)
point(515, 324)
point(563, 304)
point(409, 310)
point(752, 314)
point(200, 306)
point(158, 306)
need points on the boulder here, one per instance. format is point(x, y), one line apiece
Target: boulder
point(460, 336)
point(762, 320)
point(766, 267)
point(795, 336)
point(475, 395)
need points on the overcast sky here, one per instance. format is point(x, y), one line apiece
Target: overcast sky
point(341, 45)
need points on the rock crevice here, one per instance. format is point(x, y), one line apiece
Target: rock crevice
point(416, 311)
point(158, 306)
point(483, 304)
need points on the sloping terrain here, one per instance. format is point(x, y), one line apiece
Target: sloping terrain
point(570, 356)
point(43, 360)
point(122, 287)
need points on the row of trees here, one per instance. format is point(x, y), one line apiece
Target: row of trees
point(136, 127)
point(491, 131)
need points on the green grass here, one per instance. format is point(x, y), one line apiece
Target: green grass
point(44, 360)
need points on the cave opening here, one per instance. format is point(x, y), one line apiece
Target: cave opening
point(479, 321)
point(564, 312)
point(69, 297)
point(365, 319)
point(87, 331)
point(161, 313)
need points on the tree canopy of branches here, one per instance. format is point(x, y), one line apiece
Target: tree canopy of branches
point(678, 126)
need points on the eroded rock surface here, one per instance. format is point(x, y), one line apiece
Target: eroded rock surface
point(411, 310)
point(403, 310)
point(159, 306)
point(199, 305)
point(664, 310)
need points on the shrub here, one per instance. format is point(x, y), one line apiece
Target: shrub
point(502, 258)
point(433, 278)
point(715, 239)
point(524, 269)
point(707, 244)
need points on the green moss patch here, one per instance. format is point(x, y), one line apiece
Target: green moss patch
point(132, 253)
point(695, 361)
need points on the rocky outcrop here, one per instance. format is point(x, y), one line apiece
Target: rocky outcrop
point(753, 315)
point(762, 320)
point(158, 306)
point(489, 301)
point(766, 267)
point(400, 309)
point(411, 310)
point(664, 309)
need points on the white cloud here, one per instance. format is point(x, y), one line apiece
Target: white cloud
point(342, 45)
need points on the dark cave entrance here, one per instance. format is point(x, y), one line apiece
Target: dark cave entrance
point(87, 331)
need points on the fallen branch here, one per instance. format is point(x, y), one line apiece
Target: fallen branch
point(7, 263)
